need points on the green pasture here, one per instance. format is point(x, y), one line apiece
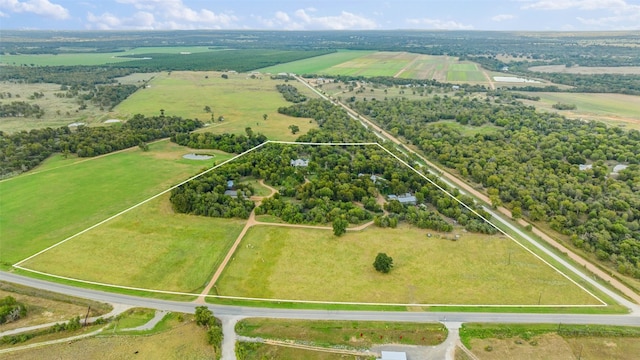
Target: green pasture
point(240, 99)
point(291, 263)
point(92, 58)
point(617, 109)
point(149, 247)
point(318, 64)
point(353, 334)
point(64, 196)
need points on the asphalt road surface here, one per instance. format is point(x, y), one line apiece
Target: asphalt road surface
point(632, 319)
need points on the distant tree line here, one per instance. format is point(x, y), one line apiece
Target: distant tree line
point(24, 150)
point(230, 143)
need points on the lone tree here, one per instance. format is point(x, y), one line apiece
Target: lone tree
point(339, 226)
point(294, 129)
point(265, 117)
point(383, 263)
point(204, 316)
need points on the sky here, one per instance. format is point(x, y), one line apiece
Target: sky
point(501, 15)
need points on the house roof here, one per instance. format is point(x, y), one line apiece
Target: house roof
point(299, 162)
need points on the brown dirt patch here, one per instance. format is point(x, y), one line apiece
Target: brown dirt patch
point(549, 347)
point(186, 341)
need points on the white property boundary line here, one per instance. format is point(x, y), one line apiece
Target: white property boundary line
point(18, 264)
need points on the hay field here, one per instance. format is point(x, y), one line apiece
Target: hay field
point(240, 99)
point(150, 247)
point(290, 263)
point(64, 196)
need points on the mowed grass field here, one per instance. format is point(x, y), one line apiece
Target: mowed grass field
point(92, 58)
point(149, 247)
point(241, 100)
point(64, 196)
point(289, 263)
point(616, 109)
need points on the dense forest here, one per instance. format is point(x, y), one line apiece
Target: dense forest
point(24, 150)
point(530, 163)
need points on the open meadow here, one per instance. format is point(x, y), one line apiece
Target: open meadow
point(289, 263)
point(149, 247)
point(316, 65)
point(615, 109)
point(64, 196)
point(241, 100)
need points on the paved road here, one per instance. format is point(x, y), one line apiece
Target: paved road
point(243, 311)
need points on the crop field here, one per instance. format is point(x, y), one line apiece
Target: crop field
point(240, 99)
point(396, 64)
point(289, 263)
point(50, 203)
point(316, 65)
point(57, 111)
point(616, 109)
point(465, 72)
point(89, 58)
point(149, 247)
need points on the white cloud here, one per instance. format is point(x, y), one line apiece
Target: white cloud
point(503, 17)
point(3, 14)
point(163, 14)
point(305, 19)
point(440, 24)
point(38, 7)
point(139, 21)
point(614, 14)
point(282, 16)
point(577, 4)
point(344, 21)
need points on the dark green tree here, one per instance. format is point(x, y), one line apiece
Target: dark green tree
point(294, 129)
point(339, 226)
point(204, 316)
point(383, 263)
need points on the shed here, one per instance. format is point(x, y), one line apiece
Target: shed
point(230, 184)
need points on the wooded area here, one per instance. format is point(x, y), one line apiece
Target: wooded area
point(530, 163)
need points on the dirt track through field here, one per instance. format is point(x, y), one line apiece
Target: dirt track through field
point(252, 222)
